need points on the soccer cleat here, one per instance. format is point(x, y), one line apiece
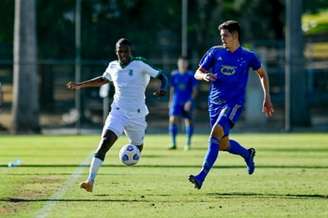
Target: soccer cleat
point(250, 161)
point(197, 184)
point(172, 147)
point(87, 185)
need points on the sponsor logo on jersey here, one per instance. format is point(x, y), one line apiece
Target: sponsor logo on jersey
point(228, 70)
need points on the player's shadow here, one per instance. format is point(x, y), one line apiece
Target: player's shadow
point(22, 200)
point(293, 150)
point(176, 166)
point(282, 150)
point(268, 195)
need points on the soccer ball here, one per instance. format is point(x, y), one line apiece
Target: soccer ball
point(129, 155)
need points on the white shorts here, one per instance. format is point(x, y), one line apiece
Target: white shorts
point(134, 127)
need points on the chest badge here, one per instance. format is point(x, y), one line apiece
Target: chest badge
point(130, 72)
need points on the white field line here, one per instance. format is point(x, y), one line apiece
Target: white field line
point(52, 200)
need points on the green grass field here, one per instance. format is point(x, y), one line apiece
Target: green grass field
point(291, 179)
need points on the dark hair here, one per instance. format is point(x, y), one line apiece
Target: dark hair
point(232, 26)
point(183, 57)
point(124, 42)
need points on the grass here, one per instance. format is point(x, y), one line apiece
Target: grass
point(290, 179)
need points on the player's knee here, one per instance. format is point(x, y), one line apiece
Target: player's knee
point(224, 143)
point(173, 120)
point(188, 122)
point(217, 131)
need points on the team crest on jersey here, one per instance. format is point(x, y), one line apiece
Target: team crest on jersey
point(228, 70)
point(130, 72)
point(182, 86)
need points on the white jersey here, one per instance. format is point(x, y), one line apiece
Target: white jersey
point(130, 84)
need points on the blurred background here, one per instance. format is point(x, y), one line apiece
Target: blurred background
point(45, 44)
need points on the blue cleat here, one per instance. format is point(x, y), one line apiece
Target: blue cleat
point(193, 179)
point(250, 161)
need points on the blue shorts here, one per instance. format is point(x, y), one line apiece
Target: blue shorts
point(178, 110)
point(226, 116)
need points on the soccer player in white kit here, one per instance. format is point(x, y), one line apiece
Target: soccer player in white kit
point(130, 77)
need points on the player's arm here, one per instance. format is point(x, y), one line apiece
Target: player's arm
point(171, 95)
point(188, 104)
point(267, 104)
point(95, 82)
point(202, 74)
point(164, 83)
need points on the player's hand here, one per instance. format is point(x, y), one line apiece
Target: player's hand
point(267, 107)
point(209, 77)
point(160, 93)
point(187, 106)
point(72, 85)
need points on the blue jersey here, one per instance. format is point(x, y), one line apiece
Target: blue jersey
point(231, 70)
point(183, 85)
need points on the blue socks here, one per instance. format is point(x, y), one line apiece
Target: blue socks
point(173, 129)
point(210, 158)
point(189, 133)
point(236, 148)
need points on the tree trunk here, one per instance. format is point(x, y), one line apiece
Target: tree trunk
point(25, 108)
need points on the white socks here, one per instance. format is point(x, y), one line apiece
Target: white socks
point(94, 166)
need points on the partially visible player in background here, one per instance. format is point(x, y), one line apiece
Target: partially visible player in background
point(183, 91)
point(130, 77)
point(1, 96)
point(226, 68)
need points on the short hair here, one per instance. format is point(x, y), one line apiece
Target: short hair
point(183, 57)
point(232, 26)
point(124, 42)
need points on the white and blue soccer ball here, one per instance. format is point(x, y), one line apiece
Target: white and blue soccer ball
point(129, 155)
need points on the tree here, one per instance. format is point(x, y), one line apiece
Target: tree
point(25, 108)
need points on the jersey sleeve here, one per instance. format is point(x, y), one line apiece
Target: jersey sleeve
point(255, 62)
point(171, 80)
point(207, 60)
point(150, 70)
point(107, 74)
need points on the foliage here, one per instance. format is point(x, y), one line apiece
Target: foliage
point(315, 23)
point(153, 26)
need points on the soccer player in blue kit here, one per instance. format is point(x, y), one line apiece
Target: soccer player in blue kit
point(183, 91)
point(226, 69)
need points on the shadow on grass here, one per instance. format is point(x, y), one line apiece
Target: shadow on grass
point(142, 199)
point(262, 195)
point(21, 200)
point(175, 166)
point(280, 150)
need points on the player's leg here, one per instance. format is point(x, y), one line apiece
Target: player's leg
point(189, 127)
point(189, 132)
point(113, 128)
point(175, 113)
point(213, 149)
point(135, 130)
point(233, 146)
point(173, 131)
point(247, 154)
